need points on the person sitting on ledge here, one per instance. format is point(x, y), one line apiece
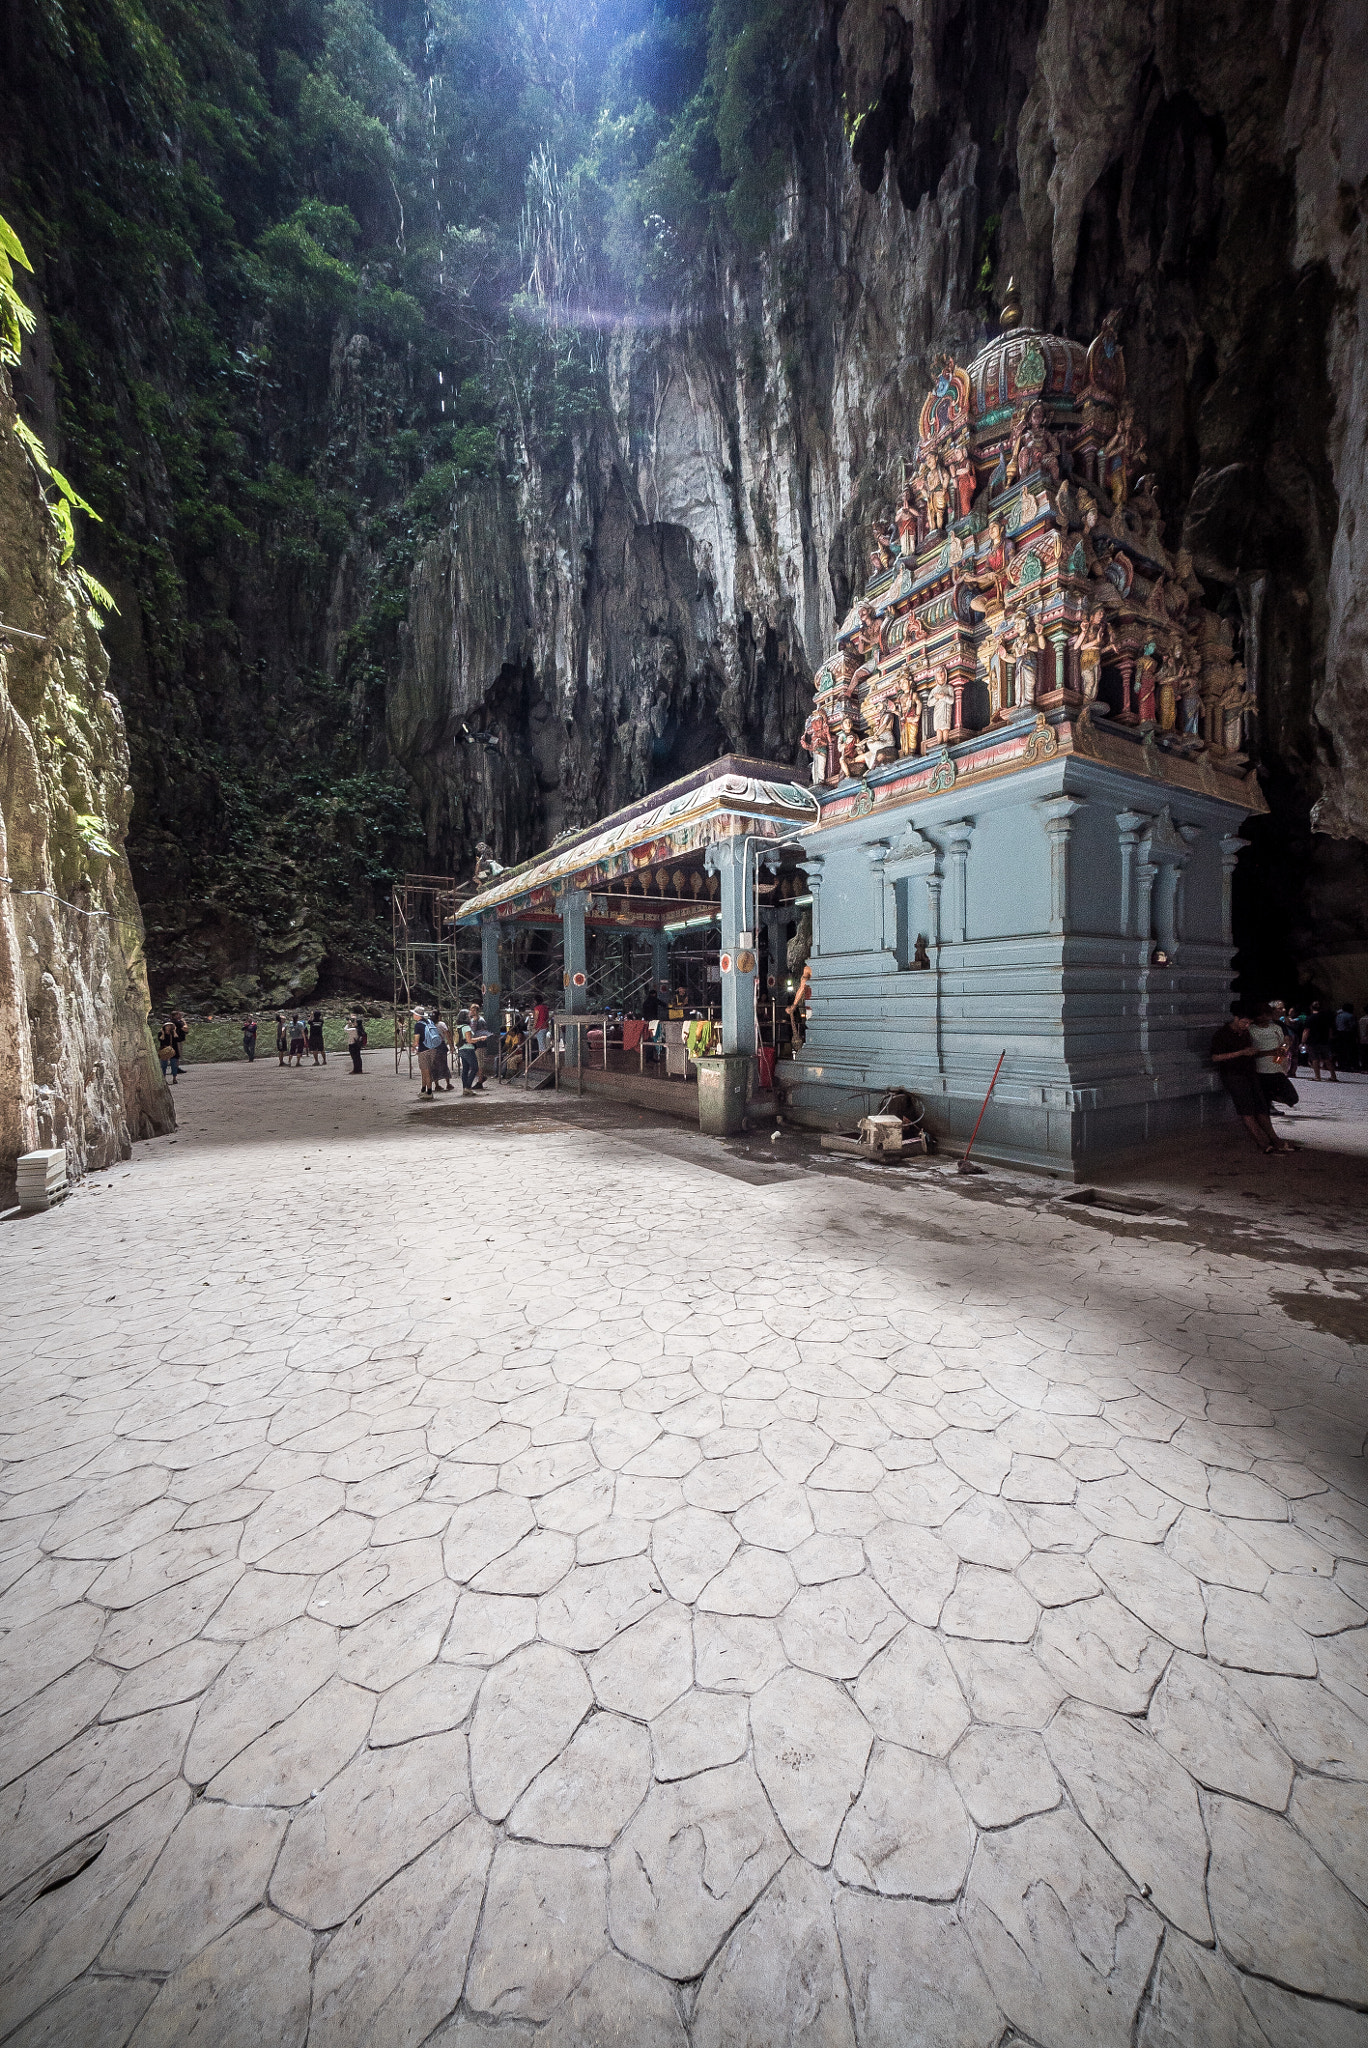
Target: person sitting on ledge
point(1234, 1053)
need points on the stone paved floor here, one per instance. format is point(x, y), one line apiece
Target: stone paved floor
point(505, 1573)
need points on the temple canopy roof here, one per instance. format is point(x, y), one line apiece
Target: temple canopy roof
point(729, 797)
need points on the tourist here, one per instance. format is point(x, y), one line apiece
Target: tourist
point(182, 1033)
point(282, 1038)
point(354, 1042)
point(1233, 1055)
point(1294, 1024)
point(299, 1041)
point(249, 1038)
point(1318, 1040)
point(1270, 1041)
point(477, 1038)
point(316, 1045)
point(1346, 1037)
point(427, 1039)
point(541, 1025)
point(1363, 1041)
point(166, 1050)
point(441, 1063)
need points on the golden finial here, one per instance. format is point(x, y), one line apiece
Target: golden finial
point(1010, 315)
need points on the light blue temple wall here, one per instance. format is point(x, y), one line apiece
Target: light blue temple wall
point(1104, 1050)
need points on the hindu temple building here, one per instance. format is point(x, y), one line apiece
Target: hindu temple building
point(1026, 783)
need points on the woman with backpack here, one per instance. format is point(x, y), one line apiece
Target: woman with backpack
point(441, 1062)
point(427, 1037)
point(356, 1041)
point(167, 1051)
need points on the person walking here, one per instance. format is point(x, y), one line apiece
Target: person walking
point(1363, 1041)
point(354, 1043)
point(316, 1045)
point(441, 1064)
point(1269, 1040)
point(1346, 1037)
point(182, 1030)
point(299, 1041)
point(1233, 1054)
point(1318, 1040)
point(428, 1041)
point(166, 1050)
point(282, 1038)
point(249, 1038)
point(479, 1039)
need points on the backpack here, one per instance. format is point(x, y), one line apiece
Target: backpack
point(361, 1037)
point(432, 1037)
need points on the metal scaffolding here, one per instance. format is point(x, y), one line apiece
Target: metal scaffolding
point(428, 950)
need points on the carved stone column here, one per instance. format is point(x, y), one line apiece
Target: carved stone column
point(489, 969)
point(876, 853)
point(1129, 826)
point(1057, 813)
point(958, 835)
point(1232, 846)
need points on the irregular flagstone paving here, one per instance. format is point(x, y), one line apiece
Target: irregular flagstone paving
point(512, 1587)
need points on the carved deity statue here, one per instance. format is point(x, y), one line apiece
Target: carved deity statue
point(908, 521)
point(999, 654)
point(881, 554)
point(909, 715)
point(1034, 446)
point(1106, 364)
point(1146, 680)
point(941, 700)
point(1236, 705)
point(851, 749)
point(962, 475)
point(1090, 644)
point(881, 743)
point(1123, 455)
point(817, 741)
point(932, 484)
point(486, 867)
point(867, 637)
point(1032, 661)
point(1169, 686)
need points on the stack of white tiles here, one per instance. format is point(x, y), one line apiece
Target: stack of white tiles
point(42, 1179)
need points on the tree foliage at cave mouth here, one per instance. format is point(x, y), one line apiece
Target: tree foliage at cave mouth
point(309, 267)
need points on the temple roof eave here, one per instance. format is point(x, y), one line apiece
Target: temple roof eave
point(694, 815)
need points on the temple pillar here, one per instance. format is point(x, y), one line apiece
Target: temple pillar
point(959, 835)
point(1057, 813)
point(1125, 661)
point(574, 966)
point(1231, 848)
point(660, 959)
point(490, 988)
point(1129, 826)
point(732, 861)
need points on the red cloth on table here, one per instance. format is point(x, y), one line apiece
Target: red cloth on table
point(632, 1034)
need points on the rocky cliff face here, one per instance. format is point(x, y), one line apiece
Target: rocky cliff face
point(77, 1064)
point(666, 593)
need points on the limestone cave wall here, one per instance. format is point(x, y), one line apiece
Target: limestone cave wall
point(77, 1063)
point(603, 624)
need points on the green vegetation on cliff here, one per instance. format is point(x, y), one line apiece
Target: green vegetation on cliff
point(308, 268)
